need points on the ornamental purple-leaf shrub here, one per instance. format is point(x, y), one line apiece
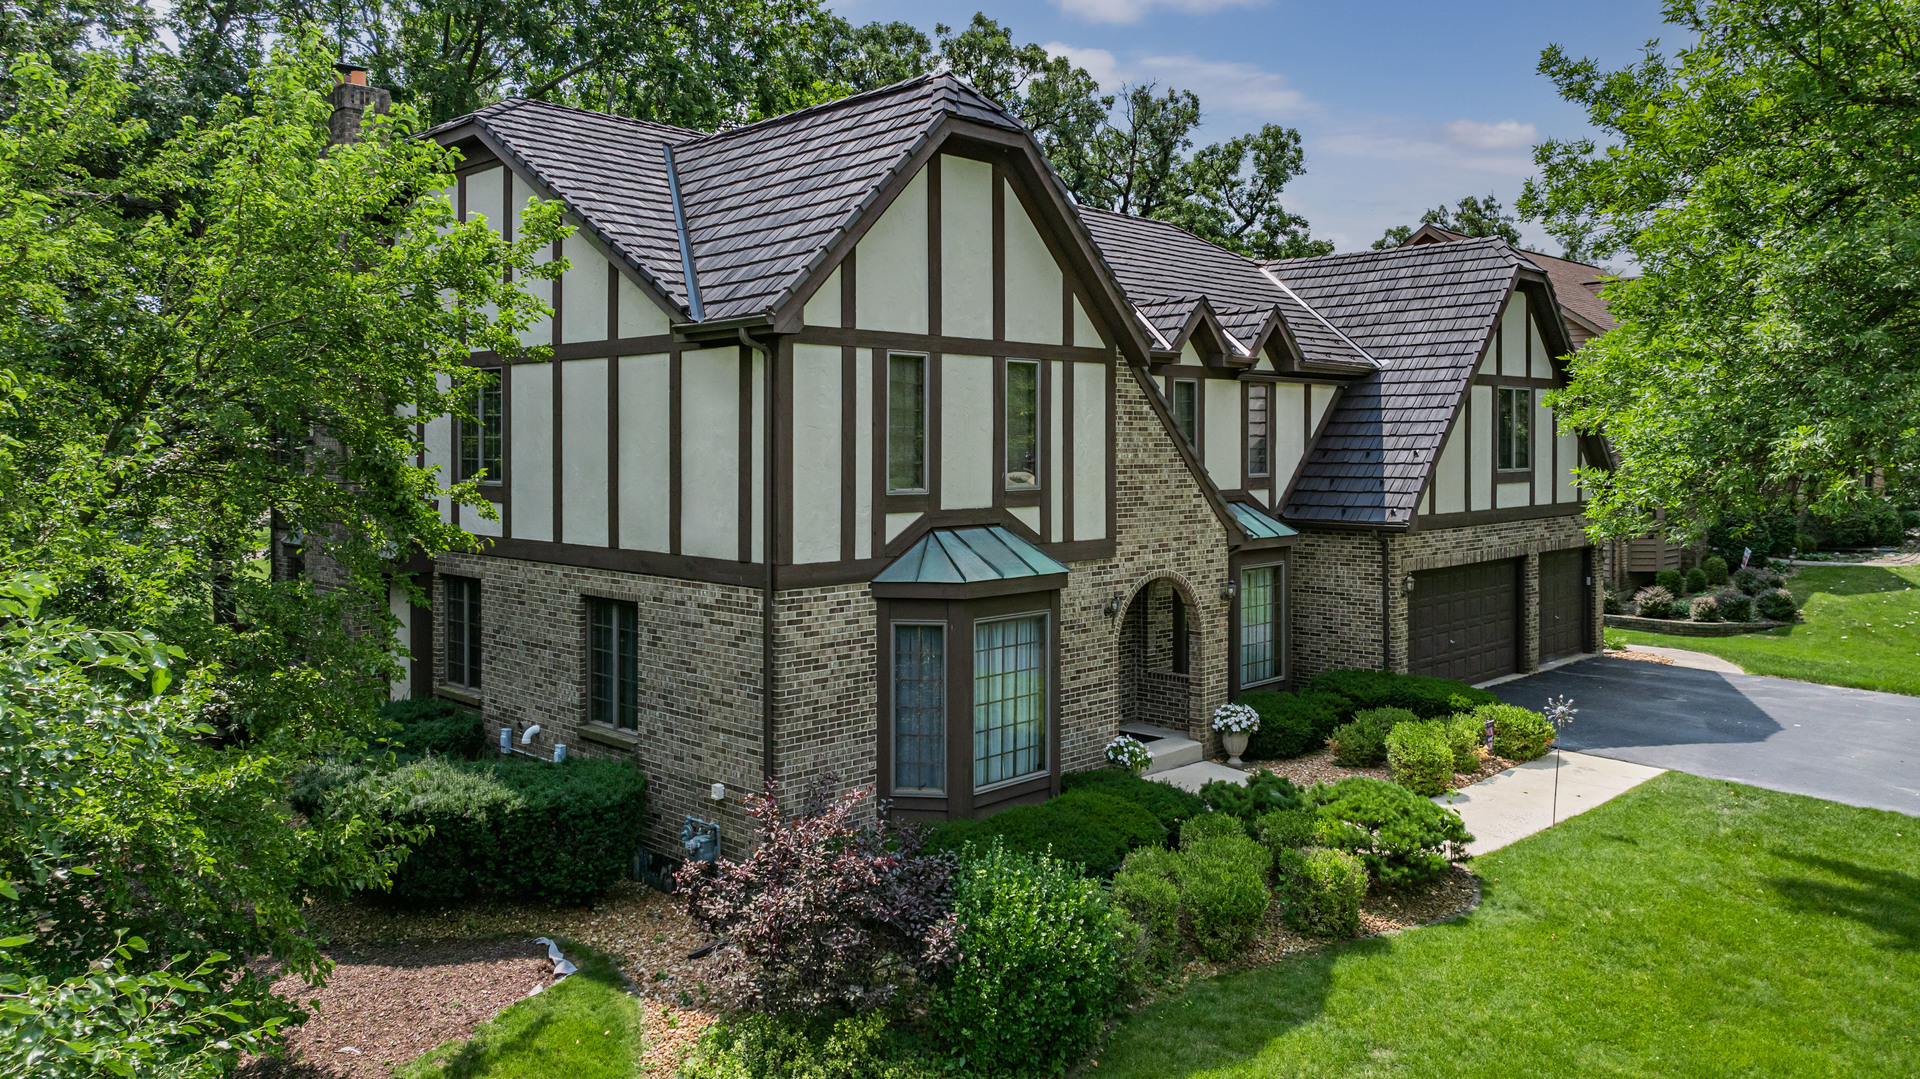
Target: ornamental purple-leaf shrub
point(829, 913)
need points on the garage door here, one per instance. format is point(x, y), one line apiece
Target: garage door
point(1462, 622)
point(1563, 603)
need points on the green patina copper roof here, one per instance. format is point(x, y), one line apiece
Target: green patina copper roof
point(1257, 524)
point(969, 556)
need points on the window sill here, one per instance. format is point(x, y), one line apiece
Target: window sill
point(459, 693)
point(609, 736)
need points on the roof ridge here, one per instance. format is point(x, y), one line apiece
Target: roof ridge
point(516, 101)
point(825, 106)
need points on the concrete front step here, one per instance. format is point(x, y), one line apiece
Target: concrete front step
point(1169, 749)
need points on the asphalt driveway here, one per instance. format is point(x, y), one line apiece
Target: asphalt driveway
point(1845, 745)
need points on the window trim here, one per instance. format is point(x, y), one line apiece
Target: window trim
point(1519, 451)
point(1006, 412)
point(1173, 408)
point(926, 410)
point(893, 709)
point(496, 477)
point(587, 699)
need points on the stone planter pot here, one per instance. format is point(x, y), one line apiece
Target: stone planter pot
point(1235, 743)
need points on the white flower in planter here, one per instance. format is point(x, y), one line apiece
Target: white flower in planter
point(1128, 753)
point(1235, 719)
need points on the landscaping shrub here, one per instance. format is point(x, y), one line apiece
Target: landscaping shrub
point(1040, 949)
point(1654, 602)
point(1735, 605)
point(1467, 738)
point(1168, 803)
point(1427, 698)
point(1223, 893)
point(1715, 569)
point(826, 913)
point(1703, 609)
point(1324, 889)
point(1751, 581)
point(1776, 605)
point(313, 784)
point(1291, 724)
point(1089, 828)
point(1518, 734)
point(1672, 580)
point(1420, 756)
point(750, 1045)
point(521, 828)
point(1285, 829)
point(1211, 826)
point(1148, 892)
point(1696, 581)
point(1402, 837)
point(1362, 741)
point(1615, 602)
point(1263, 792)
point(431, 725)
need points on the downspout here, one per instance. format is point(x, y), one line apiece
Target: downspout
point(768, 531)
point(1386, 604)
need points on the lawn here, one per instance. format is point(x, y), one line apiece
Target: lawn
point(586, 1027)
point(1691, 927)
point(1861, 629)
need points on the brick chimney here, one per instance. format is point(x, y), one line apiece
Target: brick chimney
point(350, 101)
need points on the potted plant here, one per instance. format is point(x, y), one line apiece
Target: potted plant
point(1129, 753)
point(1235, 722)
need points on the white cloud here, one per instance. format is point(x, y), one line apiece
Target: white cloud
point(1504, 135)
point(1396, 140)
point(1223, 86)
point(1132, 11)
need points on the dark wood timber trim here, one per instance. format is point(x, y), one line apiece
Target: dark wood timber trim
point(1067, 459)
point(1499, 516)
point(583, 350)
point(652, 563)
point(975, 590)
point(964, 346)
point(935, 433)
point(559, 462)
point(420, 638)
point(878, 480)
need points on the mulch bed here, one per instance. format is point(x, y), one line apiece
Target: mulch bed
point(1644, 657)
point(1320, 768)
point(385, 1004)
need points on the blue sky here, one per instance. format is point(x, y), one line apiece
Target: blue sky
point(1400, 105)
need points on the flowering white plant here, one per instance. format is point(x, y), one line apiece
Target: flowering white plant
point(1236, 719)
point(1128, 753)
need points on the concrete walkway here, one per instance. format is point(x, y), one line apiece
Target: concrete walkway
point(1681, 657)
point(1520, 801)
point(1191, 777)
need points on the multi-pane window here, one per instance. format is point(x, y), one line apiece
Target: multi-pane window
point(1023, 424)
point(463, 631)
point(1514, 442)
point(483, 436)
point(1261, 602)
point(906, 423)
point(919, 707)
point(613, 662)
point(1009, 698)
point(1186, 410)
point(1258, 412)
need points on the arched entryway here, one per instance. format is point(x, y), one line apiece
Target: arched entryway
point(1159, 657)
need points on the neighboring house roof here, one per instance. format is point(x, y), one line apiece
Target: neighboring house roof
point(1576, 285)
point(763, 203)
point(1425, 312)
point(1167, 270)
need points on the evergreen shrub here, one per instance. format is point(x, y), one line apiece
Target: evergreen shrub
point(1672, 580)
point(1262, 793)
point(1326, 891)
point(1427, 698)
point(1168, 803)
point(1421, 758)
point(1401, 837)
point(1362, 741)
point(1776, 605)
point(1518, 734)
point(1087, 828)
point(1291, 724)
point(1715, 569)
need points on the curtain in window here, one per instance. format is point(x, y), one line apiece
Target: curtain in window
point(613, 663)
point(1259, 646)
point(919, 708)
point(463, 631)
point(1009, 699)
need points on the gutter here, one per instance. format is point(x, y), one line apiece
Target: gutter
point(768, 534)
point(694, 307)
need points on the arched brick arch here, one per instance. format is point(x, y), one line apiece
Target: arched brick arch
point(1157, 683)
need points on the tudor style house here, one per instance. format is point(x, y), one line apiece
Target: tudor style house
point(857, 448)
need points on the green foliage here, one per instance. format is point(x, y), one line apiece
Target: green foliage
point(1149, 895)
point(1767, 354)
point(1223, 893)
point(1777, 605)
point(1518, 734)
point(1472, 217)
point(1735, 605)
point(1402, 837)
point(1362, 741)
point(1263, 792)
point(1290, 724)
point(1704, 609)
point(1421, 757)
point(1211, 826)
point(1672, 580)
point(1040, 949)
point(1427, 698)
point(752, 1045)
point(1467, 738)
point(1696, 581)
point(1327, 887)
point(432, 725)
point(1285, 829)
point(1088, 828)
point(512, 827)
point(1168, 803)
point(1654, 602)
point(1715, 569)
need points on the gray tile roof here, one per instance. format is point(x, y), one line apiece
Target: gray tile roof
point(763, 202)
point(1423, 311)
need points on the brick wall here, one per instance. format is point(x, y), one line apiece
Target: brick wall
point(825, 687)
point(1151, 691)
point(1333, 592)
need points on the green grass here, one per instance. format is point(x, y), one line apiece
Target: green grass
point(1861, 629)
point(1691, 927)
point(587, 1027)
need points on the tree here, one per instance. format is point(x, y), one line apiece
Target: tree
point(1135, 165)
point(1471, 217)
point(1233, 196)
point(1764, 181)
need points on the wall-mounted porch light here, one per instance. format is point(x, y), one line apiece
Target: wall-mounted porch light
point(1112, 607)
point(1407, 585)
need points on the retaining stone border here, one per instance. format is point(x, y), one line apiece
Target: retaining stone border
point(1687, 629)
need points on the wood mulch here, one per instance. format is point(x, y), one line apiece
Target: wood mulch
point(1644, 657)
point(1320, 768)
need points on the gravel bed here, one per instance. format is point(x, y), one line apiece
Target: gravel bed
point(1643, 657)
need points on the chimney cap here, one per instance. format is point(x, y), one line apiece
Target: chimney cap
point(351, 73)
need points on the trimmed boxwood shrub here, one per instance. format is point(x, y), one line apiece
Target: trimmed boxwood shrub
point(1164, 800)
point(1323, 890)
point(1735, 605)
point(1262, 793)
point(1088, 829)
point(509, 828)
point(1041, 951)
point(1146, 889)
point(1776, 605)
point(1362, 741)
point(1291, 724)
point(1672, 580)
point(1223, 893)
point(1427, 698)
point(1696, 581)
point(1420, 756)
point(1715, 569)
point(1285, 829)
point(1211, 826)
point(431, 725)
point(1467, 738)
point(1518, 734)
point(1402, 837)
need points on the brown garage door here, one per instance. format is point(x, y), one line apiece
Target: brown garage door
point(1462, 623)
point(1563, 603)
